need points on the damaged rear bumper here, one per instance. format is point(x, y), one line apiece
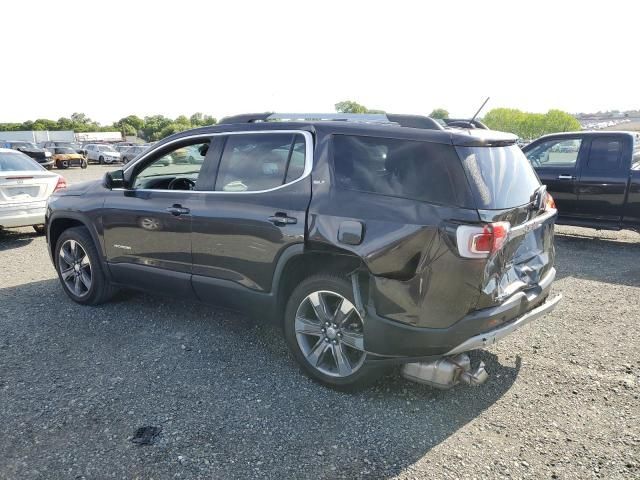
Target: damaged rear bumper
point(395, 341)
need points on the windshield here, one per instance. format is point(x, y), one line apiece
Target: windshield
point(106, 148)
point(15, 162)
point(64, 150)
point(500, 177)
point(24, 145)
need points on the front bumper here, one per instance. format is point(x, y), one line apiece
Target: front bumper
point(22, 215)
point(388, 339)
point(46, 163)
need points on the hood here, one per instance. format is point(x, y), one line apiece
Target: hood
point(78, 189)
point(110, 154)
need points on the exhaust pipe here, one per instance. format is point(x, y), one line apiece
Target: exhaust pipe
point(446, 372)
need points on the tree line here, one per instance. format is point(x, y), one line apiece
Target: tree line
point(149, 128)
point(525, 125)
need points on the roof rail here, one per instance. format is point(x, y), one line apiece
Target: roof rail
point(412, 121)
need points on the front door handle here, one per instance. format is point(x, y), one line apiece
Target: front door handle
point(281, 218)
point(177, 210)
point(566, 177)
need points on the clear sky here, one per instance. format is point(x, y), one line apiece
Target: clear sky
point(109, 59)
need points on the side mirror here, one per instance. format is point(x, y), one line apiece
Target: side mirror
point(114, 179)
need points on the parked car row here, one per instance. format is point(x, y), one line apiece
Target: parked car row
point(63, 155)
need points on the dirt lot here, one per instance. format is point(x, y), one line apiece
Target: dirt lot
point(76, 382)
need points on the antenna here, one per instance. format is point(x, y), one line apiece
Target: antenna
point(479, 110)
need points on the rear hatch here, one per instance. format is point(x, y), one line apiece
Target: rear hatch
point(25, 186)
point(22, 180)
point(512, 203)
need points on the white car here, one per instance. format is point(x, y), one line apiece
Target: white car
point(25, 187)
point(101, 153)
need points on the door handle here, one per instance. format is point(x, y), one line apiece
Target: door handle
point(566, 177)
point(281, 218)
point(177, 210)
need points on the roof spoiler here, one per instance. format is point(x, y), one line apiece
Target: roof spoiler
point(411, 121)
point(464, 123)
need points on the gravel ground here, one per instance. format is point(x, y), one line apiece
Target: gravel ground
point(562, 400)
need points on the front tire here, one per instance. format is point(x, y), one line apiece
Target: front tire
point(325, 333)
point(39, 229)
point(101, 160)
point(80, 268)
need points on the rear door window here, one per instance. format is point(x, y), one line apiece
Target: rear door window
point(260, 161)
point(424, 171)
point(605, 154)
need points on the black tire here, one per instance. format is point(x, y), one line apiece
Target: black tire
point(40, 230)
point(101, 160)
point(100, 290)
point(64, 164)
point(365, 374)
point(83, 164)
point(124, 160)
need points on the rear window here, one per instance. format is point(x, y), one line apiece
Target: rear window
point(429, 172)
point(500, 177)
point(15, 162)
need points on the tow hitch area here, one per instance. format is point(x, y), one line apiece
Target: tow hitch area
point(446, 372)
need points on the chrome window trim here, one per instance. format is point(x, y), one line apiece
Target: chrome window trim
point(308, 161)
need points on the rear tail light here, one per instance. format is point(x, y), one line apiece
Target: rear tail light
point(62, 184)
point(549, 202)
point(482, 241)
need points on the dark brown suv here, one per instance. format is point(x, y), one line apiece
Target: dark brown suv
point(372, 239)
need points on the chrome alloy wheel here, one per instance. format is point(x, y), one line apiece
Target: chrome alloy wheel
point(75, 268)
point(329, 331)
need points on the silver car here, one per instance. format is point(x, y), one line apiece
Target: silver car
point(132, 152)
point(101, 153)
point(25, 187)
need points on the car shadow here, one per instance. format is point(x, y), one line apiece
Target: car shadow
point(223, 388)
point(598, 259)
point(16, 238)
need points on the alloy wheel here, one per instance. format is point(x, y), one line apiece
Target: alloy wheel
point(329, 332)
point(75, 268)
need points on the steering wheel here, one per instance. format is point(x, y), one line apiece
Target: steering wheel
point(181, 183)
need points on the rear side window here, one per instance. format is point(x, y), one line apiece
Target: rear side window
point(605, 154)
point(254, 162)
point(429, 172)
point(500, 177)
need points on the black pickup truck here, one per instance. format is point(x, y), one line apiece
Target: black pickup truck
point(594, 177)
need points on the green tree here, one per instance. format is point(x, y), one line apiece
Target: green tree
point(530, 125)
point(349, 106)
point(439, 113)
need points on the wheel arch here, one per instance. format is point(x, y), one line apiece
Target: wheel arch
point(58, 224)
point(298, 263)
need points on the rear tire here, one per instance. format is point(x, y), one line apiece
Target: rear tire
point(324, 331)
point(80, 268)
point(83, 164)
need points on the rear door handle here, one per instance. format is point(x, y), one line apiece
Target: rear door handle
point(177, 210)
point(281, 218)
point(566, 177)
